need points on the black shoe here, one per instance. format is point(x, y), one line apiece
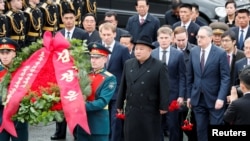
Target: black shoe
point(55, 137)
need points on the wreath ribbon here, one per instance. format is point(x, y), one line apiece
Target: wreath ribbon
point(66, 76)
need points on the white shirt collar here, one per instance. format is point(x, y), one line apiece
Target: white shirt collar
point(186, 25)
point(144, 17)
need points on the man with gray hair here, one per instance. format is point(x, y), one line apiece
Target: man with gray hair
point(208, 81)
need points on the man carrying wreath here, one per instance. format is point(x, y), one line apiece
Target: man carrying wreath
point(103, 85)
point(7, 54)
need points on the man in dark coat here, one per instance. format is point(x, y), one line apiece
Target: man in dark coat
point(237, 113)
point(143, 23)
point(144, 86)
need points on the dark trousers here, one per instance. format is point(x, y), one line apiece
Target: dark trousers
point(205, 116)
point(116, 133)
point(22, 133)
point(61, 129)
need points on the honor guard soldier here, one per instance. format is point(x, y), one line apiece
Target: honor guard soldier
point(17, 22)
point(63, 5)
point(50, 16)
point(7, 54)
point(103, 85)
point(34, 22)
point(25, 4)
point(218, 29)
point(78, 6)
point(4, 24)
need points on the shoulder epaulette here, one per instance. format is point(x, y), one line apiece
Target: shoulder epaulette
point(27, 10)
point(9, 13)
point(108, 73)
point(44, 5)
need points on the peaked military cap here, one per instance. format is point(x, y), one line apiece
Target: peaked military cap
point(7, 43)
point(98, 50)
point(219, 27)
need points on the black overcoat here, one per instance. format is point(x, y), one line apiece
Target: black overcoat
point(145, 88)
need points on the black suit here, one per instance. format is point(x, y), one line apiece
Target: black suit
point(192, 31)
point(171, 18)
point(237, 112)
point(78, 33)
point(120, 32)
point(94, 37)
point(236, 31)
point(239, 54)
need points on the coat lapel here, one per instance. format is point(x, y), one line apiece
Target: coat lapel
point(209, 58)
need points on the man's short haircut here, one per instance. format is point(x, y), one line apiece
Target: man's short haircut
point(127, 35)
point(231, 2)
point(69, 11)
point(107, 26)
point(243, 11)
point(140, 0)
point(110, 14)
point(245, 77)
point(196, 7)
point(229, 34)
point(89, 14)
point(180, 29)
point(186, 5)
point(164, 30)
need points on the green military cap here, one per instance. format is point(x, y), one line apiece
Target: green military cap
point(98, 50)
point(219, 27)
point(8, 44)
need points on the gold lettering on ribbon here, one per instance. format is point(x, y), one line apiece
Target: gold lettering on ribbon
point(71, 95)
point(64, 56)
point(68, 76)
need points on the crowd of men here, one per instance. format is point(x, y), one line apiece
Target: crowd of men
point(203, 61)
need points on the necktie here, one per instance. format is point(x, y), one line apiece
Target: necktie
point(142, 21)
point(228, 59)
point(68, 35)
point(241, 40)
point(202, 60)
point(108, 57)
point(164, 58)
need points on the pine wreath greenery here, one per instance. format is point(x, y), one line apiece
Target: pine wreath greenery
point(45, 107)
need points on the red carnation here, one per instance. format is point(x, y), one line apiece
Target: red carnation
point(56, 107)
point(120, 116)
point(173, 106)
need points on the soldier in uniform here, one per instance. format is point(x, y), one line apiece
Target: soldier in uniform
point(103, 87)
point(63, 5)
point(218, 29)
point(17, 22)
point(34, 22)
point(50, 16)
point(7, 54)
point(4, 25)
point(78, 7)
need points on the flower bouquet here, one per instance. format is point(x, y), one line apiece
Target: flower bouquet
point(47, 82)
point(187, 125)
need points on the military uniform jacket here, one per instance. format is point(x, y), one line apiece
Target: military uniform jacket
point(145, 88)
point(103, 87)
point(34, 22)
point(4, 26)
point(50, 17)
point(17, 25)
point(78, 6)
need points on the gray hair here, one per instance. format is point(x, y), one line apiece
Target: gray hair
point(208, 29)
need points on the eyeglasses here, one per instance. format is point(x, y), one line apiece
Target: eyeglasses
point(226, 40)
point(246, 48)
